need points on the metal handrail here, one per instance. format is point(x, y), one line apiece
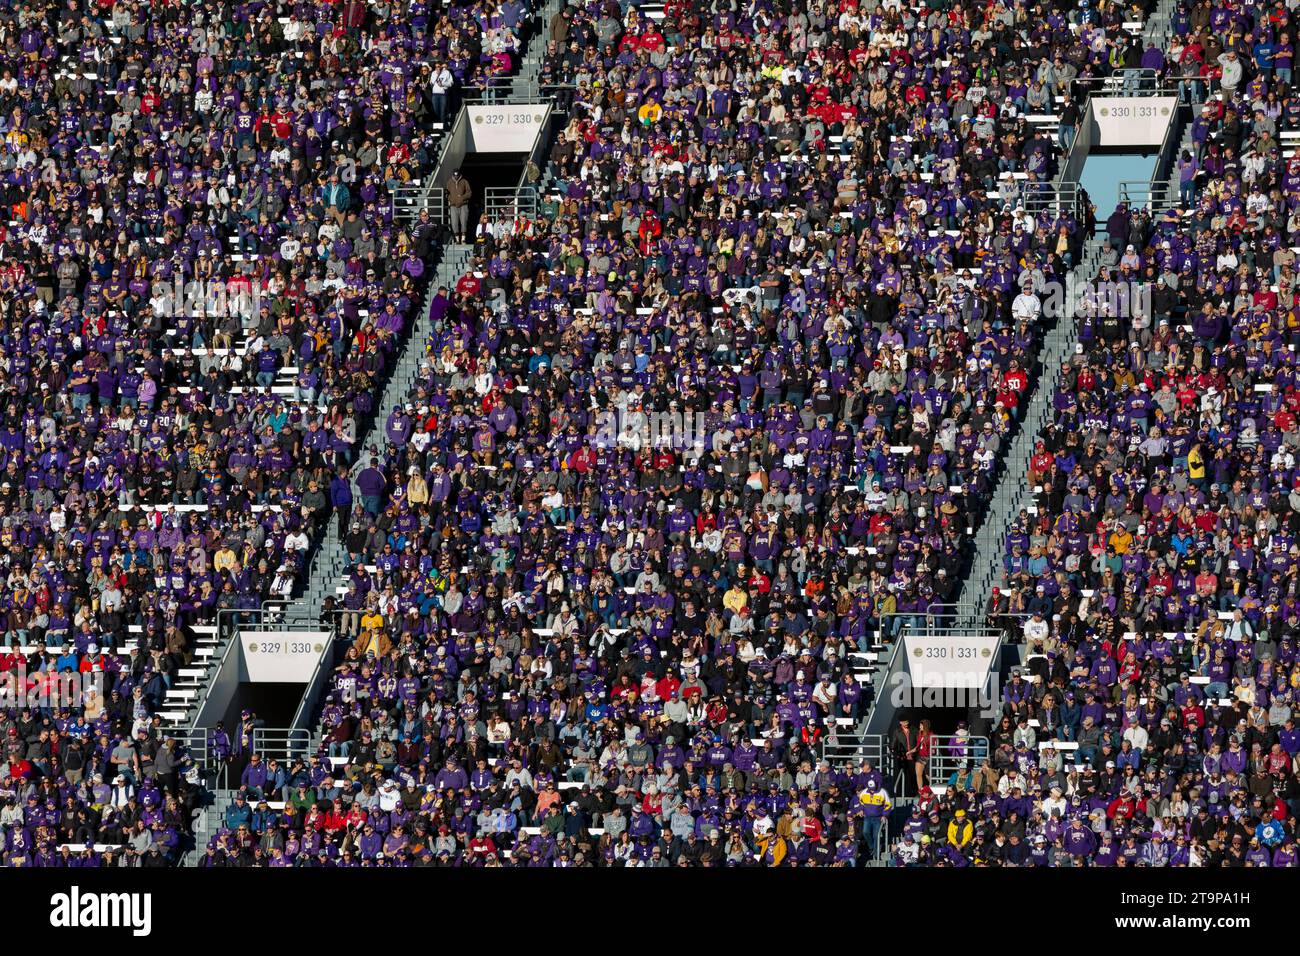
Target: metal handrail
point(855, 747)
point(516, 90)
point(1055, 199)
point(1157, 196)
point(1137, 81)
point(509, 201)
point(932, 626)
point(950, 754)
point(909, 624)
point(486, 90)
point(281, 743)
point(410, 201)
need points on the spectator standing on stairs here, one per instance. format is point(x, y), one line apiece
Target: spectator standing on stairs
point(876, 806)
point(903, 746)
point(371, 485)
point(440, 84)
point(1232, 71)
point(458, 197)
point(341, 500)
point(1188, 167)
point(1068, 126)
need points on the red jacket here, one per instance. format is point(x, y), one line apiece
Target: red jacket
point(335, 821)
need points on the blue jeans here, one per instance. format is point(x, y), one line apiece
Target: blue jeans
point(870, 835)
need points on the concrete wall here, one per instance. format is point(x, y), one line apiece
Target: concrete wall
point(224, 686)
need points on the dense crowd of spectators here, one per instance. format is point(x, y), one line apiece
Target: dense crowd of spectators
point(204, 280)
point(708, 425)
point(1158, 573)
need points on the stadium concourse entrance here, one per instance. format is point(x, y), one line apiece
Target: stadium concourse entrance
point(945, 681)
point(491, 145)
point(274, 703)
point(958, 739)
point(946, 721)
point(495, 180)
point(269, 705)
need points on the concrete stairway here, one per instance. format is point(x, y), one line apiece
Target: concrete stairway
point(1014, 492)
point(327, 558)
point(184, 695)
point(207, 821)
point(524, 88)
point(327, 567)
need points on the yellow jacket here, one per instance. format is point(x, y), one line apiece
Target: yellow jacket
point(777, 845)
point(960, 832)
point(735, 599)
